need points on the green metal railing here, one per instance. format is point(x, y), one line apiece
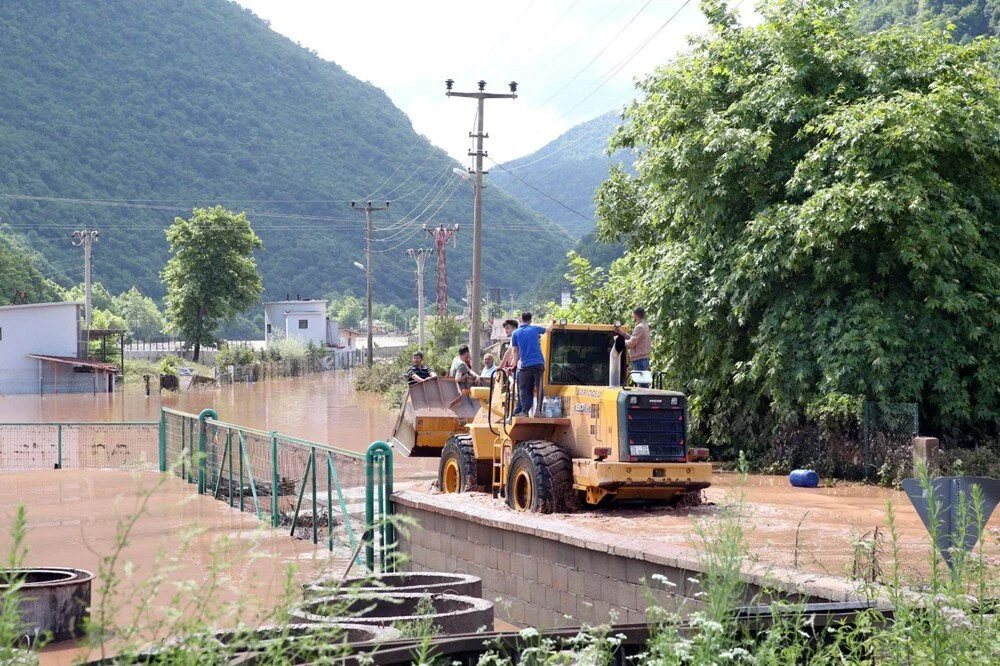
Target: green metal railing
point(78, 444)
point(315, 490)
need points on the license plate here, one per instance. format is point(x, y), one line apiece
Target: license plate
point(642, 450)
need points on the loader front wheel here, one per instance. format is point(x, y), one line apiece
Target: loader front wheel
point(457, 470)
point(540, 478)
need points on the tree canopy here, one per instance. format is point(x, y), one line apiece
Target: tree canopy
point(212, 274)
point(814, 215)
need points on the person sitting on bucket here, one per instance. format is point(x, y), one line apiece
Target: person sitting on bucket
point(489, 367)
point(418, 373)
point(461, 370)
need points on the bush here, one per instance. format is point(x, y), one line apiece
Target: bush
point(234, 355)
point(170, 364)
point(982, 460)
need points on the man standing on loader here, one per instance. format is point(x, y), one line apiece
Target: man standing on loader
point(418, 373)
point(527, 350)
point(638, 344)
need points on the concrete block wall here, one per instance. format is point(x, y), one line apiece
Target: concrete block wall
point(545, 575)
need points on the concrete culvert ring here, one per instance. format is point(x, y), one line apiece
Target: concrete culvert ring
point(540, 477)
point(452, 613)
point(392, 583)
point(53, 601)
point(457, 470)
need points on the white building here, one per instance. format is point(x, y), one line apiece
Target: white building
point(40, 348)
point(302, 319)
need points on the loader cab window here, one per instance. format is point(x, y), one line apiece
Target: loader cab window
point(580, 357)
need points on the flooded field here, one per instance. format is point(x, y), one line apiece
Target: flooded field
point(322, 407)
point(207, 553)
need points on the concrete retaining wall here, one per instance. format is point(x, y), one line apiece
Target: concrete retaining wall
point(541, 571)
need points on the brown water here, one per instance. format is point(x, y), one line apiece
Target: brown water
point(322, 407)
point(74, 520)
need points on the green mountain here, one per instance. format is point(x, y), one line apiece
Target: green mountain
point(119, 115)
point(568, 169)
point(970, 18)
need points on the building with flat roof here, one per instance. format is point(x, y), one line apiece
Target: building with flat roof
point(304, 319)
point(41, 351)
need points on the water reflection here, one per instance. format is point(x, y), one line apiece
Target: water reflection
point(323, 407)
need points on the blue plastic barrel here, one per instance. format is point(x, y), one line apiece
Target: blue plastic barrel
point(804, 478)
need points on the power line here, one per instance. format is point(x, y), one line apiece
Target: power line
point(599, 53)
point(544, 194)
point(394, 171)
point(622, 63)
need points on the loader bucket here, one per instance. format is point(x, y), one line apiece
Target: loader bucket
point(431, 412)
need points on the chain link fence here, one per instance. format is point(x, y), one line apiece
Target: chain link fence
point(888, 429)
point(37, 446)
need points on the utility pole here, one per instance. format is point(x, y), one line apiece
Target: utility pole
point(420, 255)
point(441, 235)
point(369, 209)
point(86, 238)
point(475, 322)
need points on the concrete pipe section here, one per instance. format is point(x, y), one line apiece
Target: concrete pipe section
point(451, 613)
point(427, 582)
point(53, 602)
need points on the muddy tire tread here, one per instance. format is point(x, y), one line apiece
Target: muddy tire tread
point(555, 474)
point(467, 463)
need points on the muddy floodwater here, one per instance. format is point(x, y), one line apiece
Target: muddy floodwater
point(183, 552)
point(322, 407)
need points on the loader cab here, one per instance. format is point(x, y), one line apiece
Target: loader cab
point(581, 355)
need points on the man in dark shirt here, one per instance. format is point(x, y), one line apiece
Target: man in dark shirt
point(418, 373)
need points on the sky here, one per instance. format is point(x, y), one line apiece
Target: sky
point(572, 59)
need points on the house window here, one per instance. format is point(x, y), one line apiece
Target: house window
point(269, 329)
point(303, 323)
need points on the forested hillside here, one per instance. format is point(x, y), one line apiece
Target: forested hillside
point(23, 275)
point(138, 112)
point(568, 169)
point(971, 18)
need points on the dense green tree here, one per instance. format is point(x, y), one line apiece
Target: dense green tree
point(143, 318)
point(212, 274)
point(348, 312)
point(100, 297)
point(967, 18)
point(815, 214)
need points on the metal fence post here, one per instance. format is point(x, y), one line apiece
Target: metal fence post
point(163, 440)
point(383, 452)
point(916, 419)
point(202, 448)
point(275, 481)
point(866, 447)
point(59, 446)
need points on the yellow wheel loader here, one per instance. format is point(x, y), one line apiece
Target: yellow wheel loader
point(590, 437)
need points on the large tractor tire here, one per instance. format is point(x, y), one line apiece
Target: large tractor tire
point(457, 470)
point(540, 478)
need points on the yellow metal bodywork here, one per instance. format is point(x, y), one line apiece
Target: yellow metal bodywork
point(588, 431)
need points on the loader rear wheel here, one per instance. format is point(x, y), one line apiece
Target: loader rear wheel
point(540, 478)
point(457, 470)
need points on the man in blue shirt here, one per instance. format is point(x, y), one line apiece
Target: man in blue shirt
point(528, 350)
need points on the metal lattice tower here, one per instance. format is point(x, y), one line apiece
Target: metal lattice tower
point(441, 236)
